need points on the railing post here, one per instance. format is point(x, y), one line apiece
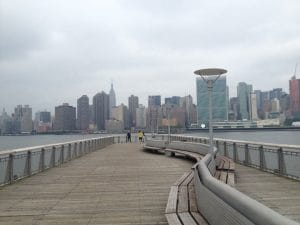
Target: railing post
point(225, 148)
point(247, 162)
point(80, 149)
point(281, 164)
point(62, 154)
point(69, 152)
point(261, 157)
point(217, 146)
point(53, 156)
point(10, 169)
point(75, 150)
point(234, 151)
point(28, 164)
point(42, 160)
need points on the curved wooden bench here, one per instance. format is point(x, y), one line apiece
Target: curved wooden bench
point(182, 207)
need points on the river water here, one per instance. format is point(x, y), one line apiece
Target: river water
point(277, 137)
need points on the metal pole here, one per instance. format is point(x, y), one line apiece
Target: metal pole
point(169, 129)
point(210, 88)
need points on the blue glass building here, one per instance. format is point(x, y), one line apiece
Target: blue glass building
point(219, 100)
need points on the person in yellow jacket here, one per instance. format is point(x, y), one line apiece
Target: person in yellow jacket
point(140, 136)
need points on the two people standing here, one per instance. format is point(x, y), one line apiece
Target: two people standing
point(140, 134)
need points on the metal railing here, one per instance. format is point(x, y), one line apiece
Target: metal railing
point(283, 160)
point(19, 163)
point(221, 204)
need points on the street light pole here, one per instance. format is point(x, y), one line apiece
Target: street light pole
point(169, 129)
point(210, 76)
point(210, 85)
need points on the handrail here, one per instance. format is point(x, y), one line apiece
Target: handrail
point(256, 212)
point(18, 150)
point(19, 163)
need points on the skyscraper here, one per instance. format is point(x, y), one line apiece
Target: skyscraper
point(65, 117)
point(101, 109)
point(23, 116)
point(133, 104)
point(253, 106)
point(220, 103)
point(83, 113)
point(244, 100)
point(154, 100)
point(112, 98)
point(295, 96)
point(141, 117)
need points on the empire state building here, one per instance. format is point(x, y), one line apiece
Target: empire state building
point(112, 99)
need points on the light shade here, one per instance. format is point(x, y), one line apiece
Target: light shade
point(210, 72)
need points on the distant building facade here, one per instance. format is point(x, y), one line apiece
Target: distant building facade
point(294, 85)
point(141, 117)
point(101, 109)
point(133, 104)
point(112, 99)
point(83, 113)
point(220, 101)
point(42, 121)
point(65, 118)
point(244, 100)
point(154, 100)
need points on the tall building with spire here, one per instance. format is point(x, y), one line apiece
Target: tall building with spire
point(112, 99)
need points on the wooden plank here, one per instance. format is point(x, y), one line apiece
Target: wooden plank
point(199, 218)
point(230, 179)
point(183, 201)
point(192, 199)
point(221, 164)
point(232, 165)
point(188, 179)
point(223, 176)
point(172, 201)
point(226, 164)
point(182, 178)
point(173, 219)
point(217, 174)
point(187, 219)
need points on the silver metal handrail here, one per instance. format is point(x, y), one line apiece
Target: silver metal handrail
point(249, 209)
point(19, 163)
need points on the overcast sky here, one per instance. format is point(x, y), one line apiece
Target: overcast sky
point(54, 51)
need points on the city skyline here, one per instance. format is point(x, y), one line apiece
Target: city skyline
point(142, 46)
point(144, 102)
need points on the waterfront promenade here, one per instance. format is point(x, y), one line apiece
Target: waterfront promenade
point(122, 184)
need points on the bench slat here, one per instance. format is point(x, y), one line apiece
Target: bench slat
point(172, 201)
point(232, 165)
point(173, 219)
point(187, 219)
point(192, 198)
point(182, 178)
point(183, 201)
point(223, 176)
point(199, 218)
point(230, 179)
point(188, 179)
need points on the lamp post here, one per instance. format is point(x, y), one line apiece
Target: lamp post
point(169, 128)
point(210, 76)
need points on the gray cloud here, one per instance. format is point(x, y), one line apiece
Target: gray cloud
point(55, 51)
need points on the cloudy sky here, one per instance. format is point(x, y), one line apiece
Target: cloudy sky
point(54, 51)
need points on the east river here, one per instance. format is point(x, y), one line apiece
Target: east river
point(276, 137)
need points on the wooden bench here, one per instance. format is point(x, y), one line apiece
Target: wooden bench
point(182, 207)
point(225, 170)
point(191, 155)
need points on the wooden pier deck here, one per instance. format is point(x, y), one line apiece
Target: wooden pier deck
point(278, 193)
point(120, 184)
